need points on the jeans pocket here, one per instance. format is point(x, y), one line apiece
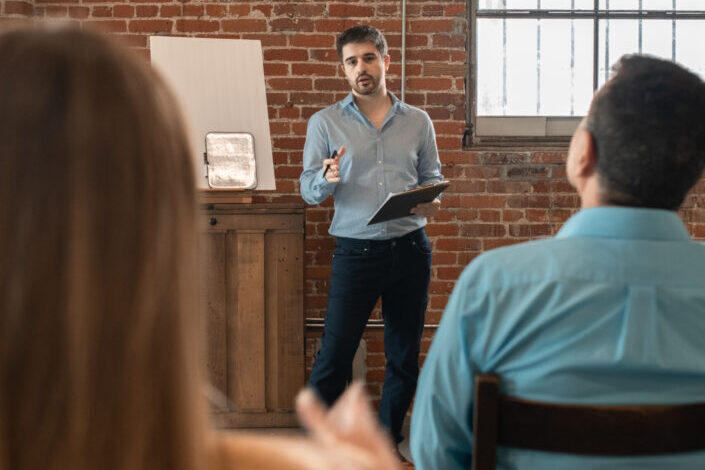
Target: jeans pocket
point(351, 251)
point(421, 245)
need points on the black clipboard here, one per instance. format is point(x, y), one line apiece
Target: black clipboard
point(398, 205)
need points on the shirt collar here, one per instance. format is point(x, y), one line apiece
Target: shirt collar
point(350, 101)
point(625, 222)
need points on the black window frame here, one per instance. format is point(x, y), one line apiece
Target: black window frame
point(470, 139)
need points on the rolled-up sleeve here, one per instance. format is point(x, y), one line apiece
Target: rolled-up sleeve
point(314, 187)
point(429, 164)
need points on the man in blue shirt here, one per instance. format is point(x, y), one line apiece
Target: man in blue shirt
point(382, 146)
point(609, 311)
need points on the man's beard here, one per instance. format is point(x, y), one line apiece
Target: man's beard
point(369, 89)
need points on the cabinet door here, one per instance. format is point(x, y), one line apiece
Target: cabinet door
point(252, 286)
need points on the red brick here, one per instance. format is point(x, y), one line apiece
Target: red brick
point(288, 142)
point(530, 230)
point(458, 57)
point(306, 10)
point(298, 128)
point(455, 9)
point(565, 201)
point(111, 26)
point(483, 230)
point(79, 12)
point(56, 11)
point(431, 26)
point(537, 215)
point(150, 26)
point(313, 69)
point(467, 214)
point(388, 10)
point(435, 9)
point(239, 9)
point(528, 201)
point(448, 40)
point(266, 10)
point(312, 40)
point(146, 11)
point(191, 9)
point(429, 83)
point(244, 25)
point(290, 83)
point(324, 55)
point(331, 84)
point(436, 229)
point(447, 98)
point(487, 215)
point(18, 8)
point(167, 11)
point(276, 69)
point(348, 11)
point(289, 171)
point(312, 98)
point(286, 54)
point(386, 25)
point(102, 11)
point(428, 55)
point(216, 10)
point(449, 273)
point(412, 40)
point(457, 244)
point(291, 24)
point(201, 26)
point(274, 98)
point(124, 11)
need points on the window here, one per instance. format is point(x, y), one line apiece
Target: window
point(534, 64)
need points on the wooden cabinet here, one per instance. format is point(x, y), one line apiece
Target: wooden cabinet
point(252, 285)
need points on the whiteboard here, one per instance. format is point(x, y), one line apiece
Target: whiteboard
point(220, 85)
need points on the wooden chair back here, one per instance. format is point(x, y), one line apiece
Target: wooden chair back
point(579, 429)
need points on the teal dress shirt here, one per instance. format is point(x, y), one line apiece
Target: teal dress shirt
point(400, 156)
point(609, 311)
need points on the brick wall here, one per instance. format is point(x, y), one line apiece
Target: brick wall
point(497, 197)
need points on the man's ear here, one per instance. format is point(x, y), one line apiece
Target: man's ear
point(585, 159)
point(386, 62)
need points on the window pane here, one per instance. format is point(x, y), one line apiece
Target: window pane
point(690, 35)
point(653, 37)
point(536, 4)
point(683, 5)
point(533, 67)
point(692, 5)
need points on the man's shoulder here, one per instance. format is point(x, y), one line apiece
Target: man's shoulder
point(521, 262)
point(413, 111)
point(329, 112)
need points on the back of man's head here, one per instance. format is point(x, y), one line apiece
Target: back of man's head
point(648, 125)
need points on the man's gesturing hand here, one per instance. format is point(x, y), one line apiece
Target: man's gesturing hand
point(332, 174)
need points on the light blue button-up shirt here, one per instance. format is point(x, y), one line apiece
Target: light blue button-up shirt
point(610, 311)
point(401, 156)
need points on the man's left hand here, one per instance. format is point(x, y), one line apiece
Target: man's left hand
point(427, 209)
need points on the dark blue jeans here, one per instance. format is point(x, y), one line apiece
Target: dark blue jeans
point(362, 271)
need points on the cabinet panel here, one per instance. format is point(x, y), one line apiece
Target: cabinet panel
point(252, 286)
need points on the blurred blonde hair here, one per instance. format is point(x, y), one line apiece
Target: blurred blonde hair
point(99, 359)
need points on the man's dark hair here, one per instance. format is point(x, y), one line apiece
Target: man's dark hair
point(648, 125)
point(362, 33)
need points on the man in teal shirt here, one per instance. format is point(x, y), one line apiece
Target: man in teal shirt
point(609, 311)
